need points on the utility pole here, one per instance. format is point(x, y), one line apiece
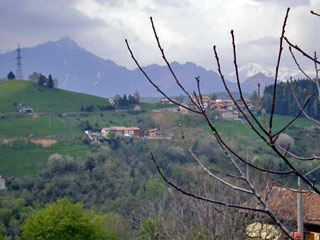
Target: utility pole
point(248, 164)
point(300, 210)
point(19, 74)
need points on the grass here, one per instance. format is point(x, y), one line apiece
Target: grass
point(54, 125)
point(45, 125)
point(22, 158)
point(151, 106)
point(42, 98)
point(236, 128)
point(25, 158)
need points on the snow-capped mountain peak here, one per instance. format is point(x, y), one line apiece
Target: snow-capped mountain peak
point(251, 69)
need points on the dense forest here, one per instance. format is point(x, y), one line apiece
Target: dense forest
point(285, 101)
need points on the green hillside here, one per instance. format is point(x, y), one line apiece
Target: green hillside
point(42, 98)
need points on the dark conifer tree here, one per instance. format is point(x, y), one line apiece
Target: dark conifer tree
point(50, 81)
point(11, 76)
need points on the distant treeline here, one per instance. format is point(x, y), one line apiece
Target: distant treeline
point(125, 102)
point(93, 108)
point(285, 101)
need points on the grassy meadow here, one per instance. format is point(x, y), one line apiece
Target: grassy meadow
point(42, 98)
point(20, 156)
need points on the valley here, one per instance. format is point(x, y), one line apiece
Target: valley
point(46, 155)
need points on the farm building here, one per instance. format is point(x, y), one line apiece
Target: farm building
point(153, 133)
point(120, 131)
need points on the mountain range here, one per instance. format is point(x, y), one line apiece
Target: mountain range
point(79, 70)
point(251, 69)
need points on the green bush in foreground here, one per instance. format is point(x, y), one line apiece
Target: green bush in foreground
point(64, 220)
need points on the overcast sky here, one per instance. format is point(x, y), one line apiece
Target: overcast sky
point(188, 29)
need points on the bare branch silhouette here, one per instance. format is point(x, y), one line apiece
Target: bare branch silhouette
point(265, 132)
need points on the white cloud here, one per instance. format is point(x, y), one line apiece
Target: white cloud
point(187, 29)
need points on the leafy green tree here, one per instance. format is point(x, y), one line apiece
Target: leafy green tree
point(63, 220)
point(1, 232)
point(34, 77)
point(136, 95)
point(85, 125)
point(11, 76)
point(149, 230)
point(90, 164)
point(155, 187)
point(42, 80)
point(111, 135)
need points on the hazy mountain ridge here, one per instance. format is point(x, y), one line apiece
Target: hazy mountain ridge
point(81, 71)
point(251, 84)
point(252, 69)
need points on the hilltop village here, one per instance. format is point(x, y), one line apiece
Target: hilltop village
point(223, 108)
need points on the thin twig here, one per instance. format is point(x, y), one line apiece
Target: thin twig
point(317, 75)
point(266, 209)
point(261, 109)
point(314, 13)
point(199, 91)
point(300, 50)
point(293, 119)
point(314, 157)
point(298, 65)
point(200, 197)
point(153, 84)
point(299, 106)
point(277, 71)
point(239, 87)
point(204, 168)
point(232, 98)
point(167, 62)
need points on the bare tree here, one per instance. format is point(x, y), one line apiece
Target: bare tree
point(256, 195)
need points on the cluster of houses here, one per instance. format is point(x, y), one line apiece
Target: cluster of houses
point(124, 132)
point(224, 107)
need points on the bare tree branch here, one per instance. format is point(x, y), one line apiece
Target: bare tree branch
point(277, 71)
point(153, 84)
point(314, 13)
point(301, 51)
point(263, 131)
point(208, 171)
point(261, 109)
point(265, 210)
point(168, 64)
point(293, 119)
point(240, 90)
point(301, 109)
point(298, 65)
